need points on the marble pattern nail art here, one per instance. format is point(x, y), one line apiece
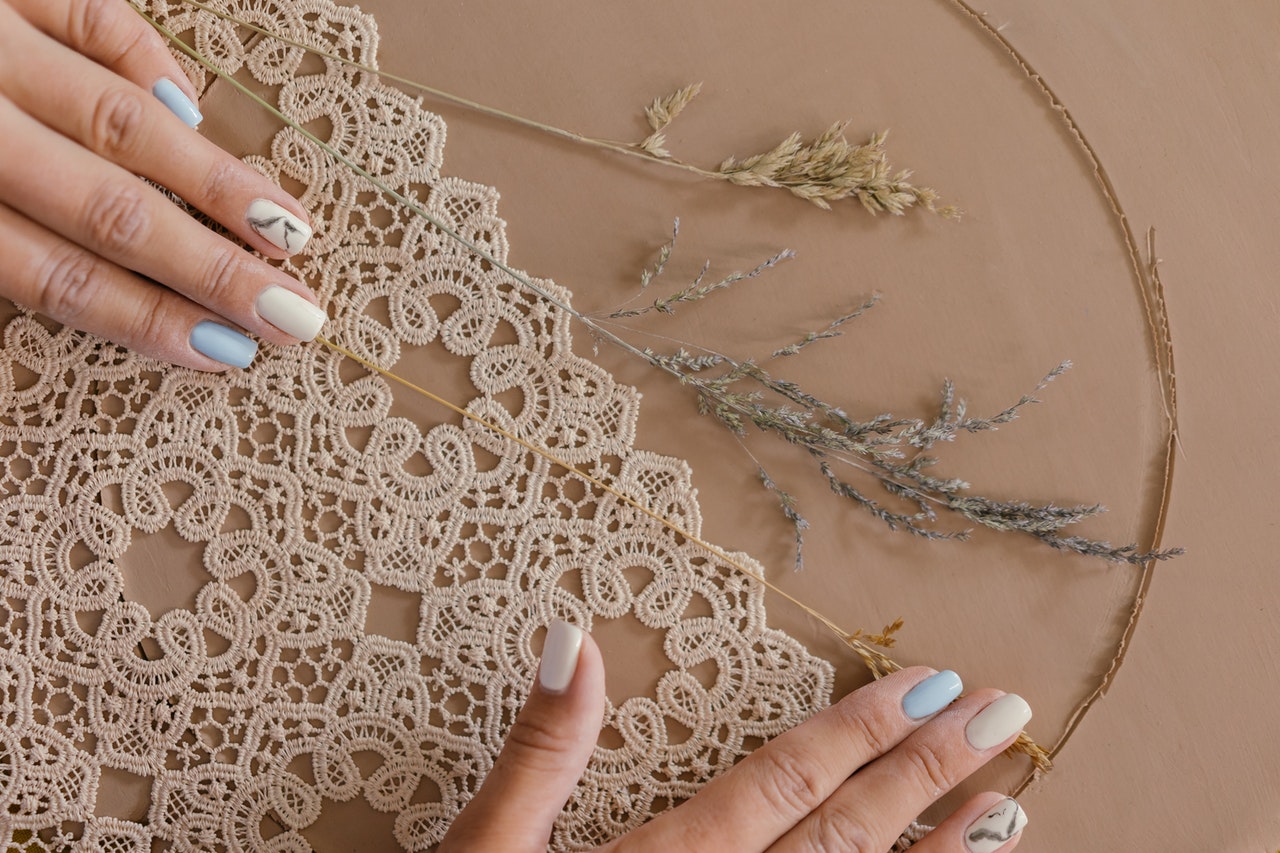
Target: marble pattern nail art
point(995, 827)
point(278, 225)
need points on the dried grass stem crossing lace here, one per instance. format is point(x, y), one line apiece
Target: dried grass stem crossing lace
point(879, 664)
point(823, 170)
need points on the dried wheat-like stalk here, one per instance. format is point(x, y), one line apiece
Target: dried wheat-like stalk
point(823, 170)
point(830, 168)
point(661, 113)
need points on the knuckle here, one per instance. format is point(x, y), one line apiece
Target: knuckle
point(223, 271)
point(532, 735)
point(91, 23)
point(117, 218)
point(149, 323)
point(117, 123)
point(792, 786)
point(929, 769)
point(105, 30)
point(838, 829)
point(65, 284)
point(871, 729)
point(218, 183)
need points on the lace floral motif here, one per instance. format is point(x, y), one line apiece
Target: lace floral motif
point(304, 494)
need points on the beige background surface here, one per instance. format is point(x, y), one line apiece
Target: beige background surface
point(1179, 101)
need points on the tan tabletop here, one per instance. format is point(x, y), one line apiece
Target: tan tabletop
point(1177, 100)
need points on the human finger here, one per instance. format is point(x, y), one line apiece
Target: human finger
point(115, 118)
point(114, 35)
point(545, 753)
point(781, 783)
point(112, 213)
point(987, 823)
point(871, 809)
point(77, 288)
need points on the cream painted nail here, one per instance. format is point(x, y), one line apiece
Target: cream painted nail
point(290, 313)
point(278, 225)
point(998, 722)
point(560, 657)
point(996, 827)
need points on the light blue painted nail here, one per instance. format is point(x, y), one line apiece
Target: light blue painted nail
point(222, 344)
point(932, 695)
point(177, 102)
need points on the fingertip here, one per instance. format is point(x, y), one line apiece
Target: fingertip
point(996, 724)
point(560, 653)
point(290, 311)
point(179, 102)
point(590, 674)
point(545, 752)
point(570, 665)
point(223, 345)
point(996, 825)
point(285, 229)
point(989, 822)
point(931, 694)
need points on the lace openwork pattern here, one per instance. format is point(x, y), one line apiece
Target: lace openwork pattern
point(303, 493)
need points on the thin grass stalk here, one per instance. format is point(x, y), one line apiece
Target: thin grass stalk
point(823, 170)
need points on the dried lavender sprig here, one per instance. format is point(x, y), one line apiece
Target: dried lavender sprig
point(878, 447)
point(664, 254)
point(952, 416)
point(1105, 550)
point(832, 329)
point(788, 505)
point(913, 524)
point(697, 290)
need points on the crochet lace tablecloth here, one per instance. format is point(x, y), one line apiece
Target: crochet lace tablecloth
point(303, 493)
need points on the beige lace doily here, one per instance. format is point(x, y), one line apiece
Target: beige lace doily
point(302, 493)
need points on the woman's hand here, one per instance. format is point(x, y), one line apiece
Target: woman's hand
point(850, 779)
point(89, 100)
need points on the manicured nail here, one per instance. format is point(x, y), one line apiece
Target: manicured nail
point(996, 827)
point(278, 225)
point(290, 313)
point(998, 722)
point(222, 344)
point(559, 656)
point(177, 102)
point(932, 695)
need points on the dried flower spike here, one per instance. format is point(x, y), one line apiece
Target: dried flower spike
point(830, 168)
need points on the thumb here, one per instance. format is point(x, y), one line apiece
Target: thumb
point(544, 755)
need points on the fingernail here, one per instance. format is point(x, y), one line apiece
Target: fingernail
point(278, 225)
point(932, 695)
point(290, 313)
point(996, 827)
point(559, 656)
point(222, 344)
point(177, 102)
point(998, 722)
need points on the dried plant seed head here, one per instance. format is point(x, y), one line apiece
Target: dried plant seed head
point(829, 169)
point(664, 110)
